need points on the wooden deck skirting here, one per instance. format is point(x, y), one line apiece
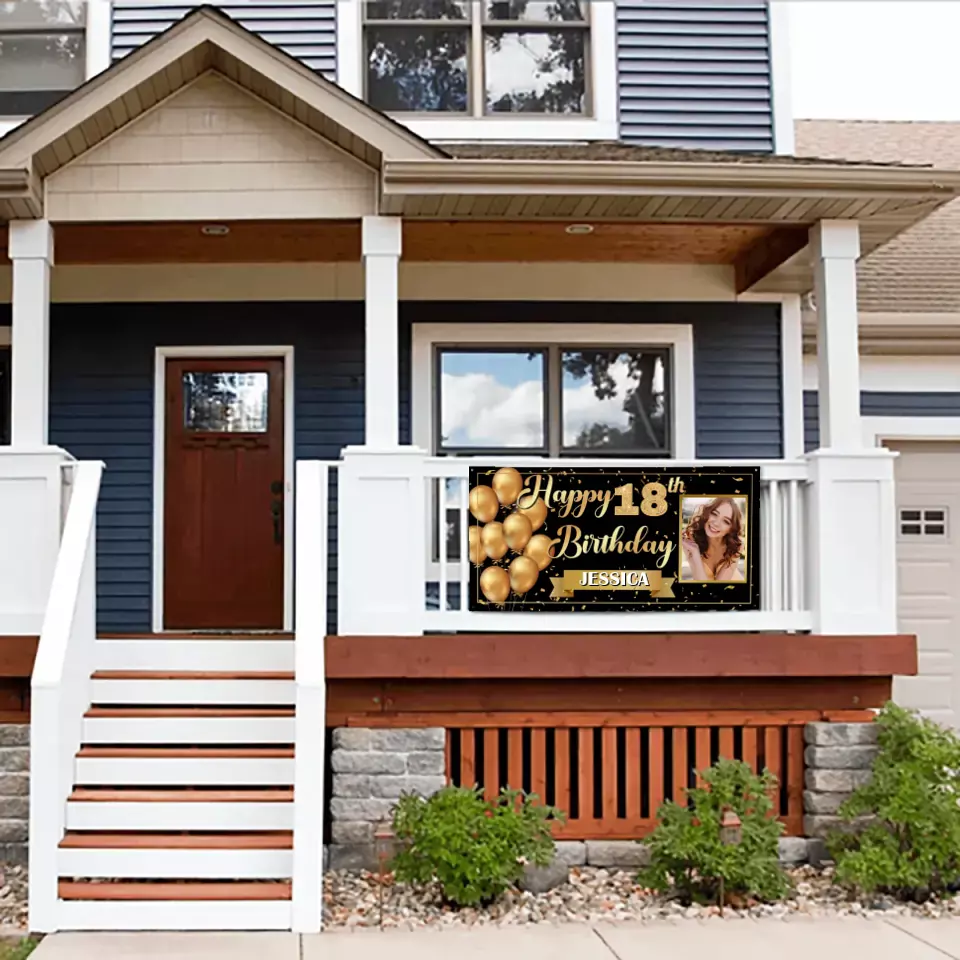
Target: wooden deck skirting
point(610, 774)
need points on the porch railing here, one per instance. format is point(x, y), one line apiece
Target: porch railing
point(60, 690)
point(783, 596)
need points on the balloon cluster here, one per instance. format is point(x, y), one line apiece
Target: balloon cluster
point(516, 533)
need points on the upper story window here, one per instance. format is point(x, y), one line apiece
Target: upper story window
point(42, 53)
point(477, 58)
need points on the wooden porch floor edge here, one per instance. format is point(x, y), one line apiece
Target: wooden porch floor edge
point(519, 656)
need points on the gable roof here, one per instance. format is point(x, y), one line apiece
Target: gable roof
point(206, 39)
point(919, 270)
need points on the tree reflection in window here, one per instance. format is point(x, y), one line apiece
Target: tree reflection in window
point(530, 56)
point(225, 402)
point(41, 45)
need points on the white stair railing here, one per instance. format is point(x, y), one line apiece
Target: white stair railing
point(313, 482)
point(60, 691)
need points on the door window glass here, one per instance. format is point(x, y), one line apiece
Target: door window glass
point(225, 402)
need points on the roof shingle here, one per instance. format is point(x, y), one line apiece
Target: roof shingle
point(918, 271)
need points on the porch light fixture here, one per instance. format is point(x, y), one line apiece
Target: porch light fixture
point(214, 229)
point(579, 229)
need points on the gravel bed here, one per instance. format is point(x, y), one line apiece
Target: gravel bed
point(591, 895)
point(13, 900)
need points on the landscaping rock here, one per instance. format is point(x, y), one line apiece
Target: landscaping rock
point(352, 856)
point(345, 761)
point(393, 787)
point(571, 852)
point(351, 831)
point(351, 738)
point(817, 853)
point(792, 850)
point(617, 853)
point(543, 879)
point(823, 826)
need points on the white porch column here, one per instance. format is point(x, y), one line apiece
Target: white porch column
point(382, 490)
point(852, 550)
point(32, 482)
point(835, 245)
point(31, 251)
point(381, 260)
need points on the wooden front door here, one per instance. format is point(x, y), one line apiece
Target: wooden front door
point(223, 495)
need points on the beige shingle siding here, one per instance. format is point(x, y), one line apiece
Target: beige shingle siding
point(919, 271)
point(212, 152)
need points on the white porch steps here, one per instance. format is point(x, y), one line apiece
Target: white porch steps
point(181, 815)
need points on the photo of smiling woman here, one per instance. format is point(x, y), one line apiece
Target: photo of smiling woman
point(713, 539)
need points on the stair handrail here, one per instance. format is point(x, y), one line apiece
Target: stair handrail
point(60, 690)
point(309, 799)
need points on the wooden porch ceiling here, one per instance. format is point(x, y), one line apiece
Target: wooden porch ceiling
point(751, 249)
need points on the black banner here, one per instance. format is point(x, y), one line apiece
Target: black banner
point(614, 539)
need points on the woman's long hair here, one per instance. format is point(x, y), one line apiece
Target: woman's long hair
point(696, 529)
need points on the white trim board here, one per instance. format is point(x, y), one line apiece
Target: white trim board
point(161, 355)
point(927, 374)
point(877, 430)
point(679, 337)
point(602, 125)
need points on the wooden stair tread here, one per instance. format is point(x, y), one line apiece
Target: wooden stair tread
point(198, 753)
point(254, 840)
point(208, 711)
point(267, 635)
point(237, 890)
point(181, 795)
point(191, 675)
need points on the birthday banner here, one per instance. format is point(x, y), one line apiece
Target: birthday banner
point(614, 539)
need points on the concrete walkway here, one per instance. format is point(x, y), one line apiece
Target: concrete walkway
point(899, 938)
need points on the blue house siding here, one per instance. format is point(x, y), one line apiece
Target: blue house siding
point(102, 380)
point(695, 73)
point(306, 29)
point(882, 404)
point(101, 407)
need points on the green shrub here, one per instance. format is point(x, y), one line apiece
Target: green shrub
point(687, 858)
point(909, 846)
point(474, 848)
point(19, 951)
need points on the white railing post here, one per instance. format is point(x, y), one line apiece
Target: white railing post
point(312, 490)
point(381, 520)
point(32, 488)
point(60, 692)
point(851, 560)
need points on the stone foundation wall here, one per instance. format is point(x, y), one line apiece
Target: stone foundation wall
point(371, 768)
point(838, 758)
point(14, 791)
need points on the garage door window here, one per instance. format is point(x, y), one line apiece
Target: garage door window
point(923, 522)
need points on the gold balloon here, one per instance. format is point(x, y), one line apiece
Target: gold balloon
point(477, 553)
point(495, 584)
point(517, 531)
point(523, 574)
point(491, 536)
point(483, 503)
point(507, 484)
point(536, 513)
point(538, 550)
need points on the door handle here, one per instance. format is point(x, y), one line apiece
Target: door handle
point(276, 510)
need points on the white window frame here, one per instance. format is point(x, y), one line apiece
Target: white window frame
point(426, 337)
point(96, 51)
point(161, 356)
point(603, 87)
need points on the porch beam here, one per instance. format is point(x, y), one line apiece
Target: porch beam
point(835, 246)
point(766, 254)
point(31, 252)
point(381, 247)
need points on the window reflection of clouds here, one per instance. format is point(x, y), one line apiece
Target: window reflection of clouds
point(534, 72)
point(491, 400)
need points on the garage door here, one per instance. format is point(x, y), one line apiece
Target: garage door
point(928, 563)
